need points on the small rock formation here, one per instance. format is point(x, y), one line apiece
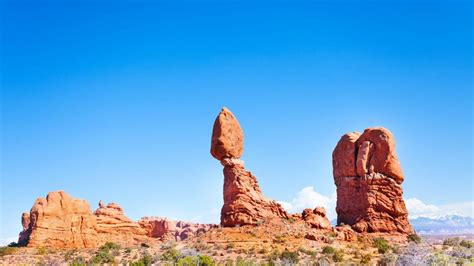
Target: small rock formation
point(166, 229)
point(316, 218)
point(368, 178)
point(244, 203)
point(59, 221)
point(113, 225)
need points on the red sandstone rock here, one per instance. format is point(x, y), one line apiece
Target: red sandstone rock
point(165, 229)
point(227, 136)
point(244, 202)
point(344, 155)
point(316, 218)
point(113, 225)
point(369, 198)
point(59, 221)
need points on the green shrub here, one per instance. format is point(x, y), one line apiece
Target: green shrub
point(328, 250)
point(365, 258)
point(102, 257)
point(170, 255)
point(78, 261)
point(388, 259)
point(289, 257)
point(7, 251)
point(451, 241)
point(206, 261)
point(338, 256)
point(230, 246)
point(41, 251)
point(466, 243)
point(109, 246)
point(381, 244)
point(307, 252)
point(188, 261)
point(414, 238)
point(13, 245)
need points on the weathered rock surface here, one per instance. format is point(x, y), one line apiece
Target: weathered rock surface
point(165, 229)
point(368, 178)
point(227, 136)
point(113, 225)
point(316, 218)
point(59, 221)
point(244, 203)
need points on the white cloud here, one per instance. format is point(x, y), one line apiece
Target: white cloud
point(417, 208)
point(309, 198)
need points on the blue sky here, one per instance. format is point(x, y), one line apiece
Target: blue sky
point(116, 101)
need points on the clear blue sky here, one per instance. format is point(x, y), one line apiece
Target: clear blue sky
point(115, 101)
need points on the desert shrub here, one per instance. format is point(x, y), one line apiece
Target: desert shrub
point(170, 255)
point(7, 251)
point(328, 250)
point(451, 242)
point(388, 259)
point(466, 243)
point(13, 245)
point(289, 257)
point(144, 245)
point(101, 257)
point(128, 250)
point(439, 259)
point(381, 244)
point(414, 238)
point(365, 258)
point(206, 261)
point(109, 246)
point(338, 256)
point(77, 261)
point(307, 251)
point(188, 261)
point(415, 255)
point(461, 252)
point(41, 251)
point(230, 246)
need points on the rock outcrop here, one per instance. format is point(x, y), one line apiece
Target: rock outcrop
point(316, 218)
point(368, 178)
point(244, 203)
point(165, 229)
point(113, 225)
point(59, 221)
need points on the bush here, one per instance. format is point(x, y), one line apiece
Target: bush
point(170, 255)
point(13, 245)
point(466, 243)
point(109, 246)
point(41, 251)
point(102, 257)
point(328, 250)
point(289, 257)
point(451, 241)
point(78, 261)
point(338, 256)
point(206, 261)
point(188, 261)
point(381, 244)
point(414, 238)
point(388, 259)
point(7, 251)
point(365, 258)
point(144, 245)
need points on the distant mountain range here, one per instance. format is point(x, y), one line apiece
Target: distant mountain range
point(446, 225)
point(450, 224)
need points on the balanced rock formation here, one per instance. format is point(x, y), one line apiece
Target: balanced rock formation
point(244, 203)
point(166, 229)
point(59, 221)
point(113, 225)
point(316, 218)
point(368, 178)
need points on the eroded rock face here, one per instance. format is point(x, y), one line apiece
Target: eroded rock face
point(368, 178)
point(59, 221)
point(244, 203)
point(113, 225)
point(165, 229)
point(316, 218)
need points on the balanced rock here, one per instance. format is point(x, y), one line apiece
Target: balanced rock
point(113, 225)
point(244, 203)
point(227, 136)
point(59, 221)
point(368, 178)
